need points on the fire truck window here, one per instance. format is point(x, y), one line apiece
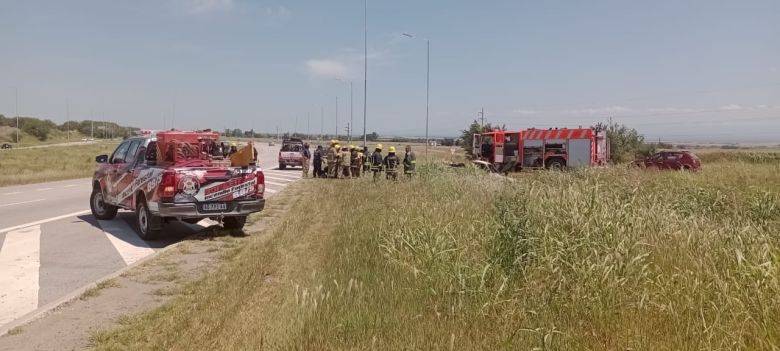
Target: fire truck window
point(119, 154)
point(132, 151)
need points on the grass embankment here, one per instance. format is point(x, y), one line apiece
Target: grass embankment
point(597, 259)
point(25, 166)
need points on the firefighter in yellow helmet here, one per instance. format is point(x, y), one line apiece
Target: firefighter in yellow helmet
point(376, 161)
point(391, 163)
point(345, 162)
point(354, 157)
point(333, 160)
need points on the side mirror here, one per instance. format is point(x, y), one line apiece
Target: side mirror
point(101, 159)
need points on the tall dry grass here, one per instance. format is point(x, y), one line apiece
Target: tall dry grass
point(455, 259)
point(25, 166)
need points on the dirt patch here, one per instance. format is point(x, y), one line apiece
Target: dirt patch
point(73, 325)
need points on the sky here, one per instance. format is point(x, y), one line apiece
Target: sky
point(703, 71)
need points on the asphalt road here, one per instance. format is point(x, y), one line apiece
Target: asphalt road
point(50, 244)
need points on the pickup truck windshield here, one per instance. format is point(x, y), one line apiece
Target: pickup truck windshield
point(292, 147)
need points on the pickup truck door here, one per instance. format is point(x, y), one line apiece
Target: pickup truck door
point(121, 174)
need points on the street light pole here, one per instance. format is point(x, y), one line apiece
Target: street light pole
point(365, 66)
point(351, 108)
point(427, 87)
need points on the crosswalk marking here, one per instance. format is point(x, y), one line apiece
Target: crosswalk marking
point(283, 175)
point(125, 240)
point(20, 260)
point(280, 179)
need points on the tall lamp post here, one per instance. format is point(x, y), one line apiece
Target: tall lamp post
point(365, 66)
point(427, 86)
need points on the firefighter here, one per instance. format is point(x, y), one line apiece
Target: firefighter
point(366, 160)
point(391, 164)
point(345, 162)
point(233, 148)
point(410, 161)
point(376, 161)
point(354, 158)
point(333, 155)
point(317, 171)
point(305, 162)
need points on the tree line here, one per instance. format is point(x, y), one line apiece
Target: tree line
point(42, 129)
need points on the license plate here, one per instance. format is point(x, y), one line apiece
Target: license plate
point(217, 206)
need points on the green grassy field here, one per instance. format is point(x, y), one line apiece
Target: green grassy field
point(24, 166)
point(458, 260)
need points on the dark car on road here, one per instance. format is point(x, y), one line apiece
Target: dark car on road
point(675, 160)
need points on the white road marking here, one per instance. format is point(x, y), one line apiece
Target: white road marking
point(283, 174)
point(272, 191)
point(20, 260)
point(43, 189)
point(13, 193)
point(126, 242)
point(280, 179)
point(23, 202)
point(47, 220)
point(69, 186)
point(272, 183)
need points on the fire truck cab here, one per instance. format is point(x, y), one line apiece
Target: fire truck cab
point(542, 148)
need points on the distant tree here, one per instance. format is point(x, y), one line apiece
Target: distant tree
point(625, 144)
point(467, 135)
point(448, 142)
point(37, 128)
point(372, 137)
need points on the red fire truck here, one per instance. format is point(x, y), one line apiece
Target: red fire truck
point(554, 148)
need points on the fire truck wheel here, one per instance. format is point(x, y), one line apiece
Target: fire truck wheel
point(555, 164)
point(146, 221)
point(282, 166)
point(234, 222)
point(100, 209)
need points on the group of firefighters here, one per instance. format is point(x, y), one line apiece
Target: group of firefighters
point(349, 161)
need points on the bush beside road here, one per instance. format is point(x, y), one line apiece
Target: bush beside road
point(596, 259)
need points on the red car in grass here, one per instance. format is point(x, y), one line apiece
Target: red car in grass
point(675, 160)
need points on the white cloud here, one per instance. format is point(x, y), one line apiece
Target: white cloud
point(277, 13)
point(328, 68)
point(598, 110)
point(672, 110)
point(732, 107)
point(206, 6)
point(524, 112)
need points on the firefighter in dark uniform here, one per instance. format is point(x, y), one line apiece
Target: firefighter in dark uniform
point(410, 162)
point(391, 164)
point(354, 157)
point(317, 171)
point(376, 161)
point(366, 160)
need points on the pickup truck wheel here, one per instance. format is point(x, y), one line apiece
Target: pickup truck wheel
point(234, 222)
point(282, 166)
point(100, 209)
point(145, 221)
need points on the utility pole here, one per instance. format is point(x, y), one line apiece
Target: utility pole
point(92, 124)
point(482, 114)
point(351, 106)
point(67, 117)
point(17, 115)
point(308, 125)
point(322, 121)
point(295, 130)
point(427, 92)
point(365, 66)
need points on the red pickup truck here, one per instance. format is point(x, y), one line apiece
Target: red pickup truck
point(175, 176)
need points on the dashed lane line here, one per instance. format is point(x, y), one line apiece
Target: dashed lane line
point(43, 189)
point(278, 184)
point(47, 220)
point(20, 260)
point(13, 193)
point(22, 202)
